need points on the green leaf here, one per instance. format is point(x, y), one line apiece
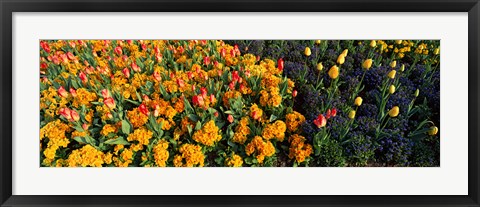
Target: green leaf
point(85, 140)
point(198, 126)
point(125, 127)
point(118, 140)
point(273, 118)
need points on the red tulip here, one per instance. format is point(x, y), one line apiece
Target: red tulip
point(43, 65)
point(143, 109)
point(280, 64)
point(65, 112)
point(109, 102)
point(212, 98)
point(75, 116)
point(83, 77)
point(203, 91)
point(70, 56)
point(223, 52)
point(294, 93)
point(320, 121)
point(215, 114)
point(180, 83)
point(85, 126)
point(157, 76)
point(334, 112)
point(89, 70)
point(118, 50)
point(230, 118)
point(206, 60)
point(144, 47)
point(62, 92)
point(329, 113)
point(73, 92)
point(198, 101)
point(45, 46)
point(105, 93)
point(55, 60)
point(126, 72)
point(135, 67)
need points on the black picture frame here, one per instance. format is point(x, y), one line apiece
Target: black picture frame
point(7, 7)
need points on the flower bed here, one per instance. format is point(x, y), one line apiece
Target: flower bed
point(189, 103)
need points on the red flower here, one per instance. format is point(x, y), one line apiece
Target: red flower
point(334, 112)
point(135, 67)
point(126, 72)
point(75, 116)
point(70, 56)
point(280, 64)
point(206, 60)
point(83, 77)
point(223, 52)
point(43, 65)
point(118, 50)
point(329, 113)
point(109, 102)
point(62, 92)
point(157, 76)
point(203, 91)
point(73, 92)
point(198, 101)
point(294, 93)
point(85, 126)
point(143, 109)
point(230, 118)
point(65, 112)
point(321, 121)
point(180, 83)
point(105, 93)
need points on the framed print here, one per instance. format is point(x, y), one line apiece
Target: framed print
point(188, 103)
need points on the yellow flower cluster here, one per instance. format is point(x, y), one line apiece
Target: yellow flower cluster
point(298, 149)
point(137, 118)
point(107, 129)
point(241, 131)
point(160, 153)
point(294, 120)
point(125, 157)
point(234, 161)
point(55, 132)
point(270, 97)
point(208, 135)
point(87, 156)
point(83, 97)
point(142, 135)
point(191, 154)
point(275, 130)
point(261, 148)
point(256, 112)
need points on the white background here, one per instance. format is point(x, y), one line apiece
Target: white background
point(450, 178)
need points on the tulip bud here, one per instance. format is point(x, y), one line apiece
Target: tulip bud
point(367, 64)
point(334, 112)
point(318, 42)
point(402, 68)
point(73, 92)
point(62, 92)
point(118, 50)
point(143, 109)
point(436, 51)
point(358, 101)
point(105, 93)
point(394, 111)
point(433, 131)
point(341, 59)
point(307, 52)
point(391, 74)
point(333, 72)
point(212, 98)
point(180, 83)
point(230, 118)
point(417, 92)
point(294, 93)
point(345, 52)
point(373, 43)
point(280, 64)
point(391, 90)
point(109, 102)
point(85, 126)
point(135, 67)
point(206, 60)
point(75, 116)
point(65, 112)
point(398, 42)
point(320, 121)
point(126, 72)
point(320, 66)
point(352, 114)
point(393, 64)
point(223, 52)
point(157, 76)
point(215, 114)
point(83, 77)
point(70, 56)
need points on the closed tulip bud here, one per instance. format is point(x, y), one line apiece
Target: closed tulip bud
point(334, 112)
point(212, 98)
point(73, 92)
point(391, 90)
point(215, 114)
point(367, 64)
point(345, 52)
point(230, 118)
point(436, 51)
point(109, 102)
point(352, 114)
point(65, 112)
point(75, 116)
point(394, 111)
point(85, 126)
point(333, 72)
point(294, 93)
point(402, 68)
point(318, 42)
point(280, 64)
point(62, 92)
point(391, 74)
point(118, 50)
point(180, 83)
point(341, 59)
point(83, 77)
point(206, 60)
point(433, 131)
point(126, 72)
point(143, 109)
point(135, 67)
point(417, 92)
point(398, 42)
point(393, 64)
point(308, 52)
point(373, 43)
point(320, 66)
point(105, 93)
point(358, 101)
point(157, 76)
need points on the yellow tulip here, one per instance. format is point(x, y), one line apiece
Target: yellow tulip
point(341, 59)
point(391, 74)
point(393, 64)
point(436, 51)
point(345, 52)
point(402, 68)
point(417, 92)
point(308, 52)
point(367, 64)
point(391, 90)
point(351, 114)
point(394, 111)
point(398, 42)
point(358, 101)
point(433, 131)
point(320, 66)
point(318, 42)
point(333, 72)
point(373, 43)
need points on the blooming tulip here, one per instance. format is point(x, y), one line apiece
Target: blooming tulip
point(126, 72)
point(65, 112)
point(118, 50)
point(83, 77)
point(206, 60)
point(373, 43)
point(105, 93)
point(393, 64)
point(75, 116)
point(73, 92)
point(320, 121)
point(135, 67)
